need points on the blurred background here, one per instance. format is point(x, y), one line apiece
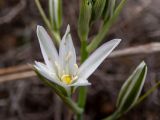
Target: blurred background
point(24, 97)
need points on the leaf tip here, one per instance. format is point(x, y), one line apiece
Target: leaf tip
point(143, 64)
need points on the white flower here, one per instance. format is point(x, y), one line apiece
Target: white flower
point(62, 68)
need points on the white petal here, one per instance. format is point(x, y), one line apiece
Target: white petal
point(81, 82)
point(91, 64)
point(45, 72)
point(48, 49)
point(67, 52)
point(41, 66)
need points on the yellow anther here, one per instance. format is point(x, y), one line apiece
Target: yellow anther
point(76, 66)
point(75, 78)
point(67, 79)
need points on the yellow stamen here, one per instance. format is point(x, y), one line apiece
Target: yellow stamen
point(67, 79)
point(76, 66)
point(75, 78)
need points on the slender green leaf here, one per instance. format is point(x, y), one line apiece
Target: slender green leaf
point(132, 88)
point(119, 113)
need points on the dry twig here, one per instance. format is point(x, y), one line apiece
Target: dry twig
point(13, 12)
point(14, 69)
point(17, 76)
point(137, 50)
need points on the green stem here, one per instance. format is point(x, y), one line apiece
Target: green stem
point(100, 36)
point(54, 34)
point(72, 105)
point(84, 53)
point(151, 90)
point(82, 90)
point(83, 30)
point(114, 116)
point(42, 13)
point(81, 101)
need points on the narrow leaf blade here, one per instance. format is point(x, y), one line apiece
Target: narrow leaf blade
point(132, 88)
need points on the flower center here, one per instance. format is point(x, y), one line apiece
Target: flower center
point(67, 79)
